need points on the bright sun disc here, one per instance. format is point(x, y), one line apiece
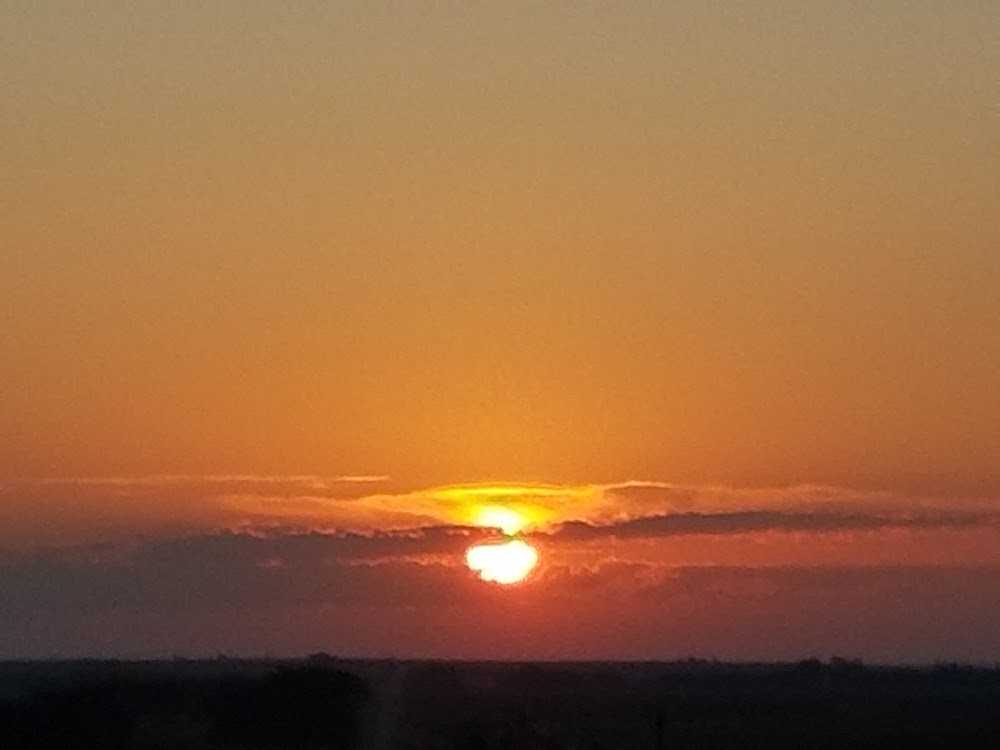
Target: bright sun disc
point(508, 562)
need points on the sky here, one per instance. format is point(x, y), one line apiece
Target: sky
point(706, 291)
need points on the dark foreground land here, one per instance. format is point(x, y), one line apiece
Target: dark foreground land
point(322, 702)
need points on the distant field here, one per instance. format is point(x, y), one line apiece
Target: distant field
point(324, 702)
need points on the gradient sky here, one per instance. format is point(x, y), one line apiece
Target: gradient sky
point(708, 290)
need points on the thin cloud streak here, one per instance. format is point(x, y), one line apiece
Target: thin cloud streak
point(71, 511)
point(160, 480)
point(760, 521)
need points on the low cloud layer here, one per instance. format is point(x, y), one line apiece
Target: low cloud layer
point(358, 565)
point(295, 593)
point(49, 513)
point(742, 522)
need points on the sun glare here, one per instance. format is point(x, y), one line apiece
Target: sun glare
point(506, 562)
point(496, 517)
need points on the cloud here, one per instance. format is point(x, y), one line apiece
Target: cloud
point(642, 498)
point(234, 570)
point(740, 522)
point(60, 512)
point(355, 594)
point(48, 512)
point(292, 485)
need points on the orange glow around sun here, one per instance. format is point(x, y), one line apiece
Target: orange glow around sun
point(497, 517)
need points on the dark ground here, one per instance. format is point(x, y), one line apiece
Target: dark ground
point(324, 702)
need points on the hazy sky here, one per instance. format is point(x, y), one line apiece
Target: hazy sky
point(747, 249)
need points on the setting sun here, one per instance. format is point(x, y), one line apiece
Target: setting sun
point(508, 562)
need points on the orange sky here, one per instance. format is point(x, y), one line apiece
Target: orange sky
point(273, 273)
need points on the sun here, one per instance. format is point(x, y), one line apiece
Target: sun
point(503, 562)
